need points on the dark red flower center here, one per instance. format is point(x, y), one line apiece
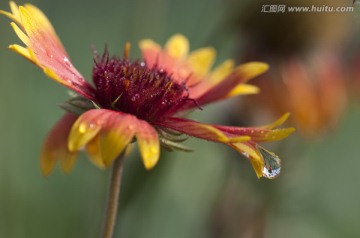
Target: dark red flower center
point(132, 87)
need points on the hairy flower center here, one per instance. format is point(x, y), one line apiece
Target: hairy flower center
point(133, 87)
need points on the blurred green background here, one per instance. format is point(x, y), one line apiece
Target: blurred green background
point(212, 192)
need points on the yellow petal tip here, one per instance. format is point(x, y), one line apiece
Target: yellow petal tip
point(177, 46)
point(151, 157)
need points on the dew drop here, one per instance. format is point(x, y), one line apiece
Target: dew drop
point(135, 97)
point(67, 62)
point(246, 154)
point(83, 127)
point(272, 163)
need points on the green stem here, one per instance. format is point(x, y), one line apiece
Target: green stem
point(113, 197)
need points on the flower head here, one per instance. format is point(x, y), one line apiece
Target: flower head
point(315, 92)
point(140, 100)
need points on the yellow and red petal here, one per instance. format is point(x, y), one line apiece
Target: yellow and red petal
point(256, 134)
point(172, 58)
point(177, 46)
point(44, 47)
point(221, 72)
point(105, 134)
point(265, 133)
point(265, 163)
point(277, 123)
point(93, 150)
point(250, 151)
point(201, 60)
point(55, 147)
point(115, 135)
point(200, 130)
point(148, 142)
point(86, 127)
point(240, 75)
point(150, 51)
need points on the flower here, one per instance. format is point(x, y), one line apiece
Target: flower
point(140, 100)
point(314, 88)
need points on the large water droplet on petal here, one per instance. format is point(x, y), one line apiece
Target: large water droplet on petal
point(272, 163)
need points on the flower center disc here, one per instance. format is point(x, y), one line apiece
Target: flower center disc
point(133, 87)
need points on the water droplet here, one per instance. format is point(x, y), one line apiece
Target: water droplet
point(83, 127)
point(135, 97)
point(67, 62)
point(246, 154)
point(272, 163)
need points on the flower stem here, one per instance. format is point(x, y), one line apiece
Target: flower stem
point(113, 197)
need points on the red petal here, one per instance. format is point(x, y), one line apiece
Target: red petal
point(55, 146)
point(199, 130)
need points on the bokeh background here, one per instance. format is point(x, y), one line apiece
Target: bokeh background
point(212, 192)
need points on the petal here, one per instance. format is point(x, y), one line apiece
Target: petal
point(35, 30)
point(221, 71)
point(150, 51)
point(250, 151)
point(260, 134)
point(86, 127)
point(177, 46)
point(278, 122)
point(201, 60)
point(116, 135)
point(94, 152)
point(241, 74)
point(199, 130)
point(14, 14)
point(149, 144)
point(111, 136)
point(55, 147)
point(22, 36)
point(243, 89)
point(24, 52)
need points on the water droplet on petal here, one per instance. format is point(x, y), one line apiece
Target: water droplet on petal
point(67, 62)
point(246, 154)
point(272, 163)
point(83, 127)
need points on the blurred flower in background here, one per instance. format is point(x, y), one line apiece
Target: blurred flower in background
point(313, 90)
